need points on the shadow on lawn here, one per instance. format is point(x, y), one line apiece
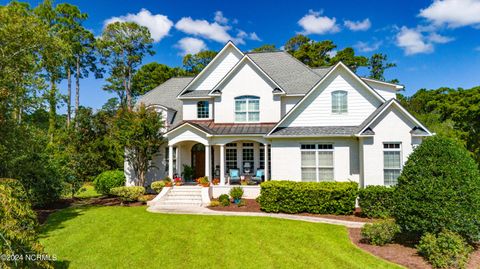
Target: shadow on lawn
point(56, 219)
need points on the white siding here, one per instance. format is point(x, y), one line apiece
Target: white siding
point(190, 109)
point(387, 92)
point(393, 126)
point(346, 159)
point(316, 110)
point(217, 70)
point(247, 81)
point(288, 102)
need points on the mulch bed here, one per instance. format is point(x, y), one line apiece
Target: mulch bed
point(253, 206)
point(403, 254)
point(44, 212)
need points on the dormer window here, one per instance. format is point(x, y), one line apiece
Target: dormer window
point(202, 110)
point(339, 102)
point(247, 109)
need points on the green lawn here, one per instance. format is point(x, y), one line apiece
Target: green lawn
point(130, 237)
point(87, 191)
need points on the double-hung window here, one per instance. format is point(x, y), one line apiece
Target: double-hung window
point(392, 163)
point(202, 110)
point(339, 102)
point(317, 162)
point(247, 109)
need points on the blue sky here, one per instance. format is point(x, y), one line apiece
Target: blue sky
point(433, 43)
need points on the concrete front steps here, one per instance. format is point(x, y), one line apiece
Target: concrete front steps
point(179, 196)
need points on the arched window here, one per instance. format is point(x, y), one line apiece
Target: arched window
point(202, 110)
point(339, 102)
point(247, 108)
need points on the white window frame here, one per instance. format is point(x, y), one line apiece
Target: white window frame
point(392, 149)
point(203, 112)
point(247, 99)
point(340, 107)
point(230, 148)
point(318, 147)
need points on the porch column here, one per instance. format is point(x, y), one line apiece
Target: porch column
point(222, 164)
point(267, 173)
point(208, 161)
point(170, 162)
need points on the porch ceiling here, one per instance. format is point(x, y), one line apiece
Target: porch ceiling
point(213, 128)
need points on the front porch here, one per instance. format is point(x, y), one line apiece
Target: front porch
point(236, 161)
point(225, 153)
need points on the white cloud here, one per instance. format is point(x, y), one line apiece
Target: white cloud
point(358, 25)
point(158, 25)
point(190, 45)
point(367, 47)
point(413, 42)
point(437, 38)
point(453, 13)
point(217, 31)
point(203, 28)
point(220, 18)
point(314, 23)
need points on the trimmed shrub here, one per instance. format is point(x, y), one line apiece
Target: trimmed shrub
point(107, 180)
point(18, 224)
point(157, 186)
point(128, 194)
point(214, 203)
point(236, 193)
point(439, 188)
point(381, 232)
point(224, 200)
point(376, 201)
point(446, 250)
point(311, 197)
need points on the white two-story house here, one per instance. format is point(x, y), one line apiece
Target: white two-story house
point(267, 110)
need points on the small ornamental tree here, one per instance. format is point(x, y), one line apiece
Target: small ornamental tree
point(438, 189)
point(140, 133)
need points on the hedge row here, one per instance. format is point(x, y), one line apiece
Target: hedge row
point(376, 201)
point(311, 197)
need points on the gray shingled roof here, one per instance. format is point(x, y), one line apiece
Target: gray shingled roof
point(229, 128)
point(322, 71)
point(165, 94)
point(293, 76)
point(200, 93)
point(316, 131)
point(377, 111)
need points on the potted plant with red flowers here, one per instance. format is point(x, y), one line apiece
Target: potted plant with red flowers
point(178, 181)
point(204, 181)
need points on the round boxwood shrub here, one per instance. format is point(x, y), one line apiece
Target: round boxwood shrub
point(224, 200)
point(439, 188)
point(380, 233)
point(446, 250)
point(128, 194)
point(107, 180)
point(157, 186)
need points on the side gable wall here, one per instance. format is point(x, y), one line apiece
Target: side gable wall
point(316, 109)
point(247, 80)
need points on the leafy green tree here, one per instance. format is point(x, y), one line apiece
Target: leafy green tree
point(310, 52)
point(139, 132)
point(18, 225)
point(22, 37)
point(439, 188)
point(348, 57)
point(151, 75)
point(377, 64)
point(194, 63)
point(123, 45)
point(265, 48)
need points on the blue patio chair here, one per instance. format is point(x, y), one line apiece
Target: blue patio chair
point(233, 176)
point(259, 176)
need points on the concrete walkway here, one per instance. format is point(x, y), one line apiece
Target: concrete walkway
point(196, 210)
